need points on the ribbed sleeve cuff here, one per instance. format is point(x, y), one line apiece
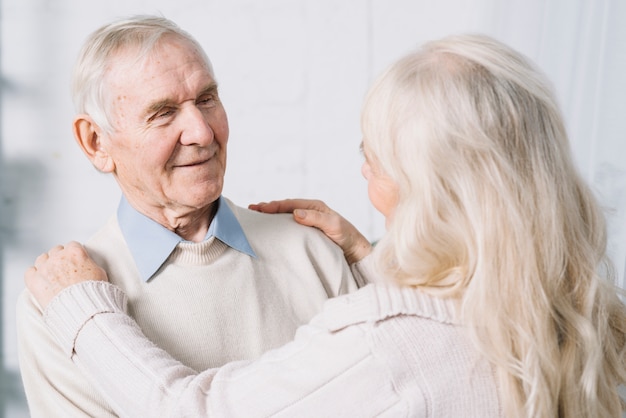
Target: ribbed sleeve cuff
point(74, 306)
point(363, 271)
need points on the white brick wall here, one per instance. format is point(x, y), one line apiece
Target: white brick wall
point(292, 74)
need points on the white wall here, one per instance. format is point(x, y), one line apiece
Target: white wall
point(292, 75)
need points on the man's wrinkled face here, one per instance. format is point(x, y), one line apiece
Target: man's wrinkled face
point(170, 129)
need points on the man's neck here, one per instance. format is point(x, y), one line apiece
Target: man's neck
point(196, 227)
point(191, 225)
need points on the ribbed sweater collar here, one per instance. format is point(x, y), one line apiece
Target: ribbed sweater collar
point(197, 253)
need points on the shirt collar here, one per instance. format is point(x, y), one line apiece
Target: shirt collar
point(150, 243)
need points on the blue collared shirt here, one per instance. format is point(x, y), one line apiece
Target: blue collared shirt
point(150, 243)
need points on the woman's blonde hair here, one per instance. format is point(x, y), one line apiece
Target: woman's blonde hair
point(493, 212)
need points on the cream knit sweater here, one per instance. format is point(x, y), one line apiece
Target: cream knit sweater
point(208, 305)
point(382, 351)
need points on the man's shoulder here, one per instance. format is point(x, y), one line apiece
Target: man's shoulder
point(109, 249)
point(252, 218)
point(289, 248)
point(276, 227)
point(107, 243)
point(98, 245)
point(109, 233)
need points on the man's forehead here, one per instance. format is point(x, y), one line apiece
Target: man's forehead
point(141, 56)
point(170, 65)
point(156, 82)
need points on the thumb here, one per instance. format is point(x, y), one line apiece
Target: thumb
point(322, 221)
point(299, 213)
point(310, 217)
point(303, 217)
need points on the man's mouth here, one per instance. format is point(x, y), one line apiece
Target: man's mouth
point(194, 163)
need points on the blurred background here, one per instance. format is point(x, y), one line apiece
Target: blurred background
point(292, 74)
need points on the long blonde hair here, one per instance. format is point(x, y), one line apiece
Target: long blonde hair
point(493, 212)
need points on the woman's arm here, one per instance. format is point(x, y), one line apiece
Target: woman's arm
point(320, 372)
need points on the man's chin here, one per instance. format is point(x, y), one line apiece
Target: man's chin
point(202, 197)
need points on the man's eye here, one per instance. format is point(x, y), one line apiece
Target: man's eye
point(207, 100)
point(164, 113)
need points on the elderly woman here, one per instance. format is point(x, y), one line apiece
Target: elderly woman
point(488, 295)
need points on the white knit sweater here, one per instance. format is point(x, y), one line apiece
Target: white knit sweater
point(208, 305)
point(382, 351)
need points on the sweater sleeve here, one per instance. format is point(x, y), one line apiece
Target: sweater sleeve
point(320, 372)
point(74, 306)
point(364, 273)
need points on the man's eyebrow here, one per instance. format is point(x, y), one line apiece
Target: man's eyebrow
point(157, 105)
point(209, 89)
point(154, 107)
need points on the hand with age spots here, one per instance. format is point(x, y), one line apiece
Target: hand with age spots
point(60, 268)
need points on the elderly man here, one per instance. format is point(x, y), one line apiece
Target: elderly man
point(208, 281)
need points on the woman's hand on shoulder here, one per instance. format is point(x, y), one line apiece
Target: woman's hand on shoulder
point(317, 214)
point(60, 268)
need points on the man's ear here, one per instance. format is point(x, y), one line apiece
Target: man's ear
point(89, 137)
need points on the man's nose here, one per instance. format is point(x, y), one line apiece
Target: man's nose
point(195, 128)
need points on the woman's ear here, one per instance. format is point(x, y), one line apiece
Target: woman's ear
point(89, 137)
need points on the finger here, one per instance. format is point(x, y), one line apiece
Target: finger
point(41, 259)
point(256, 206)
point(268, 207)
point(75, 250)
point(289, 205)
point(307, 204)
point(55, 249)
point(327, 222)
point(30, 273)
point(74, 245)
